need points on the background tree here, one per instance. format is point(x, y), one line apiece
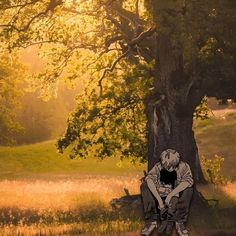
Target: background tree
point(43, 119)
point(10, 70)
point(182, 54)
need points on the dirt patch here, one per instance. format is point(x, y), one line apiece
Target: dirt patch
point(222, 113)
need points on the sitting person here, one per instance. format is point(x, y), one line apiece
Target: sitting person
point(167, 190)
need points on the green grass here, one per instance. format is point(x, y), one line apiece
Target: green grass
point(215, 136)
point(42, 159)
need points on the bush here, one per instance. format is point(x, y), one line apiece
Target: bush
point(212, 169)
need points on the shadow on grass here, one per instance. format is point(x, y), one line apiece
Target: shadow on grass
point(218, 219)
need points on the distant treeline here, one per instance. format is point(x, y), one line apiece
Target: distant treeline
point(24, 116)
point(43, 120)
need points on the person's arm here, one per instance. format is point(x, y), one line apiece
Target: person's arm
point(181, 187)
point(154, 191)
point(152, 180)
point(186, 181)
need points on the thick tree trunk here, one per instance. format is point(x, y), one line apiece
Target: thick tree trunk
point(171, 131)
point(170, 110)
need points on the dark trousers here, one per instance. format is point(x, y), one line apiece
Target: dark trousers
point(177, 210)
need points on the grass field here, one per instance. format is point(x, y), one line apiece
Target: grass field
point(65, 206)
point(214, 136)
point(81, 206)
point(45, 193)
point(218, 136)
point(42, 160)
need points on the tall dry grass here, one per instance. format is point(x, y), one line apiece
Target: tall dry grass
point(75, 206)
point(64, 194)
point(65, 207)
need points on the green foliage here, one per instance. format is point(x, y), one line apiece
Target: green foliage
point(10, 71)
point(24, 116)
point(212, 169)
point(83, 40)
point(202, 110)
point(114, 122)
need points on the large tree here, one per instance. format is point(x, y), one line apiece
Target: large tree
point(161, 57)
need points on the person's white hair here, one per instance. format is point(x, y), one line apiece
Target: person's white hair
point(169, 158)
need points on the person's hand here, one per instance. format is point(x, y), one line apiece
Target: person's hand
point(168, 198)
point(163, 213)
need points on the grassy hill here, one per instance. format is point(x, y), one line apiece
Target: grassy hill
point(218, 136)
point(42, 159)
point(214, 136)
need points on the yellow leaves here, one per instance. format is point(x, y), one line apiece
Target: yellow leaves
point(212, 169)
point(209, 48)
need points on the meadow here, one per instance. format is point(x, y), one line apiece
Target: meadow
point(46, 193)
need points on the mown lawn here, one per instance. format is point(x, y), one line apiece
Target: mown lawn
point(41, 160)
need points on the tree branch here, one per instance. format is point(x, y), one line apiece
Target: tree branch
point(133, 42)
point(125, 14)
point(111, 68)
point(50, 7)
point(19, 5)
point(143, 35)
point(137, 8)
point(73, 10)
point(112, 40)
point(123, 28)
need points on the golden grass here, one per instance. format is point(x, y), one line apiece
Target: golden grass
point(70, 206)
point(65, 229)
point(64, 194)
point(75, 206)
point(230, 190)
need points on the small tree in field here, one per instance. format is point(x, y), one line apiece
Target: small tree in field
point(161, 57)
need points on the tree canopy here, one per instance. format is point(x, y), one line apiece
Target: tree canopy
point(115, 47)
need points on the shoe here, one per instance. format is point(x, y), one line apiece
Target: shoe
point(148, 229)
point(162, 227)
point(169, 227)
point(181, 229)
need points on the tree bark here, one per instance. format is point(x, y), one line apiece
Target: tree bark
point(170, 110)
